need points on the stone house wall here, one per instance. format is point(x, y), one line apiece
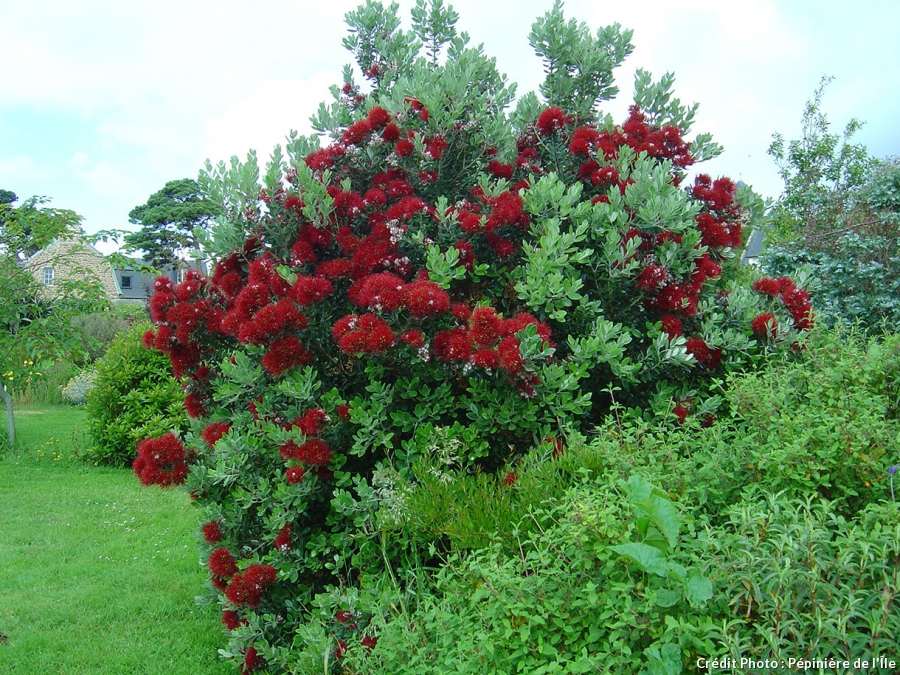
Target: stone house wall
point(70, 259)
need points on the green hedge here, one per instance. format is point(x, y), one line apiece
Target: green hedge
point(134, 396)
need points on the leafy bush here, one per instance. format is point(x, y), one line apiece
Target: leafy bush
point(102, 328)
point(793, 576)
point(776, 562)
point(134, 396)
point(76, 390)
point(840, 216)
point(441, 282)
point(604, 586)
point(858, 280)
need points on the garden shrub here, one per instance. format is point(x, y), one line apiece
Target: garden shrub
point(604, 586)
point(100, 329)
point(840, 216)
point(446, 283)
point(796, 580)
point(133, 396)
point(76, 390)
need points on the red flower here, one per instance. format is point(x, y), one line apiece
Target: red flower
point(194, 404)
point(381, 292)
point(356, 132)
point(294, 474)
point(365, 334)
point(343, 412)
point(404, 148)
point(212, 532)
point(510, 478)
point(680, 412)
point(314, 452)
point(550, 121)
point(500, 170)
point(452, 345)
point(161, 461)
point(284, 354)
point(308, 290)
point(391, 133)
point(510, 356)
point(231, 619)
point(378, 117)
point(671, 324)
point(765, 325)
point(583, 138)
point(767, 286)
point(250, 660)
point(435, 146)
point(698, 348)
point(246, 587)
point(460, 311)
point(369, 642)
point(283, 540)
point(222, 564)
point(486, 358)
point(425, 298)
point(484, 325)
point(651, 277)
point(213, 432)
point(310, 423)
point(414, 338)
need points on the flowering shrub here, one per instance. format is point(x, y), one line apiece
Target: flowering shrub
point(439, 271)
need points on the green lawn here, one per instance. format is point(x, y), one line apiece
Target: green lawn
point(97, 574)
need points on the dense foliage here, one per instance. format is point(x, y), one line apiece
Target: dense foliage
point(132, 395)
point(754, 560)
point(441, 288)
point(840, 217)
point(36, 324)
point(167, 223)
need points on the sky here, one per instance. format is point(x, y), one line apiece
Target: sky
point(102, 102)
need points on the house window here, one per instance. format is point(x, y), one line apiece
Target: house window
point(126, 281)
point(48, 276)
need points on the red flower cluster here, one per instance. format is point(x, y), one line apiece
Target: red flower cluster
point(365, 334)
point(765, 325)
point(246, 588)
point(214, 431)
point(161, 461)
point(550, 121)
point(222, 563)
point(705, 355)
point(666, 143)
point(794, 299)
point(212, 532)
point(283, 540)
point(718, 224)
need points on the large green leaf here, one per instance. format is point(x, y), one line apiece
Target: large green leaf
point(647, 558)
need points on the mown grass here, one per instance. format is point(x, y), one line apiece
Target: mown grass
point(97, 575)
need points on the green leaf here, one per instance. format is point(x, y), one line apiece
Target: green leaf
point(662, 661)
point(647, 558)
point(698, 589)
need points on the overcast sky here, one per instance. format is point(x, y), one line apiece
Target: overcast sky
point(102, 102)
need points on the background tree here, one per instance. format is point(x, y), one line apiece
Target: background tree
point(168, 221)
point(840, 215)
point(37, 329)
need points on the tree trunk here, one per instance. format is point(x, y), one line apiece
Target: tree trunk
point(10, 420)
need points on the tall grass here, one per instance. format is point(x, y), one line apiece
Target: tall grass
point(46, 389)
